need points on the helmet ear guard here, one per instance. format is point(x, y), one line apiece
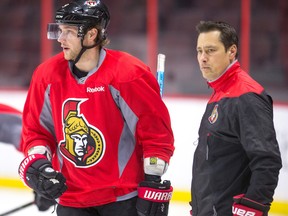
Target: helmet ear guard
point(82, 30)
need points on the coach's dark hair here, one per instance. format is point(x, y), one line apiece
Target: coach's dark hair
point(228, 34)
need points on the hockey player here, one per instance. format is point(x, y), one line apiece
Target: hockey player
point(237, 155)
point(97, 135)
point(10, 133)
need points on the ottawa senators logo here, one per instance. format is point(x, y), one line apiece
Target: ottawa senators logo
point(84, 145)
point(91, 3)
point(214, 115)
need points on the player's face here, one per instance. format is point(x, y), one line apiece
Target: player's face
point(70, 42)
point(211, 55)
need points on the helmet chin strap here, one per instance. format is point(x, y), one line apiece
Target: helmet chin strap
point(84, 48)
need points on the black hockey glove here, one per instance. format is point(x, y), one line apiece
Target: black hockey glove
point(37, 173)
point(43, 203)
point(153, 196)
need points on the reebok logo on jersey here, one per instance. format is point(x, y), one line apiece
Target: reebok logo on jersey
point(95, 89)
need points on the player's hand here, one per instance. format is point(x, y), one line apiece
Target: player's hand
point(37, 173)
point(245, 206)
point(43, 203)
point(153, 196)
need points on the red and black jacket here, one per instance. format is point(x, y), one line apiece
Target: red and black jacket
point(237, 152)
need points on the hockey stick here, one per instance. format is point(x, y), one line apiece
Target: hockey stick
point(160, 72)
point(17, 209)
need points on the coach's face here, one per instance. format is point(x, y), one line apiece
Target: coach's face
point(211, 55)
point(70, 42)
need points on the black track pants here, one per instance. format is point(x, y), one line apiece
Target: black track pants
point(123, 208)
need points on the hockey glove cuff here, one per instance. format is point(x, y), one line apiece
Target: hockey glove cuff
point(43, 203)
point(37, 173)
point(245, 206)
point(154, 196)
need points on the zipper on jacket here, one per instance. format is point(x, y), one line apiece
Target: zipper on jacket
point(207, 147)
point(214, 210)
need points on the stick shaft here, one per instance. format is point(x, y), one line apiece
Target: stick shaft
point(160, 72)
point(17, 209)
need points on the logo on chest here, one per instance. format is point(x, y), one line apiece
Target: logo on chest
point(84, 144)
point(95, 89)
point(214, 115)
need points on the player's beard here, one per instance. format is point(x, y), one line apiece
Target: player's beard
point(70, 54)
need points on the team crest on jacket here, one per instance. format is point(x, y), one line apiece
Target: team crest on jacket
point(214, 115)
point(83, 145)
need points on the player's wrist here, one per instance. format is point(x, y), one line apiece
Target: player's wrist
point(44, 150)
point(155, 166)
point(152, 178)
point(153, 194)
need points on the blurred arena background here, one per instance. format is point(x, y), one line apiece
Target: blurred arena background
point(145, 28)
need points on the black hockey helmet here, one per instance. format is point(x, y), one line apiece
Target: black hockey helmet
point(85, 14)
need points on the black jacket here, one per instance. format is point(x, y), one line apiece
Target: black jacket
point(237, 152)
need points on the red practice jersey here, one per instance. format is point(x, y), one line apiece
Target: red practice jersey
point(99, 127)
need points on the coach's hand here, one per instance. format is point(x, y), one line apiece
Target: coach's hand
point(37, 173)
point(245, 206)
point(153, 196)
